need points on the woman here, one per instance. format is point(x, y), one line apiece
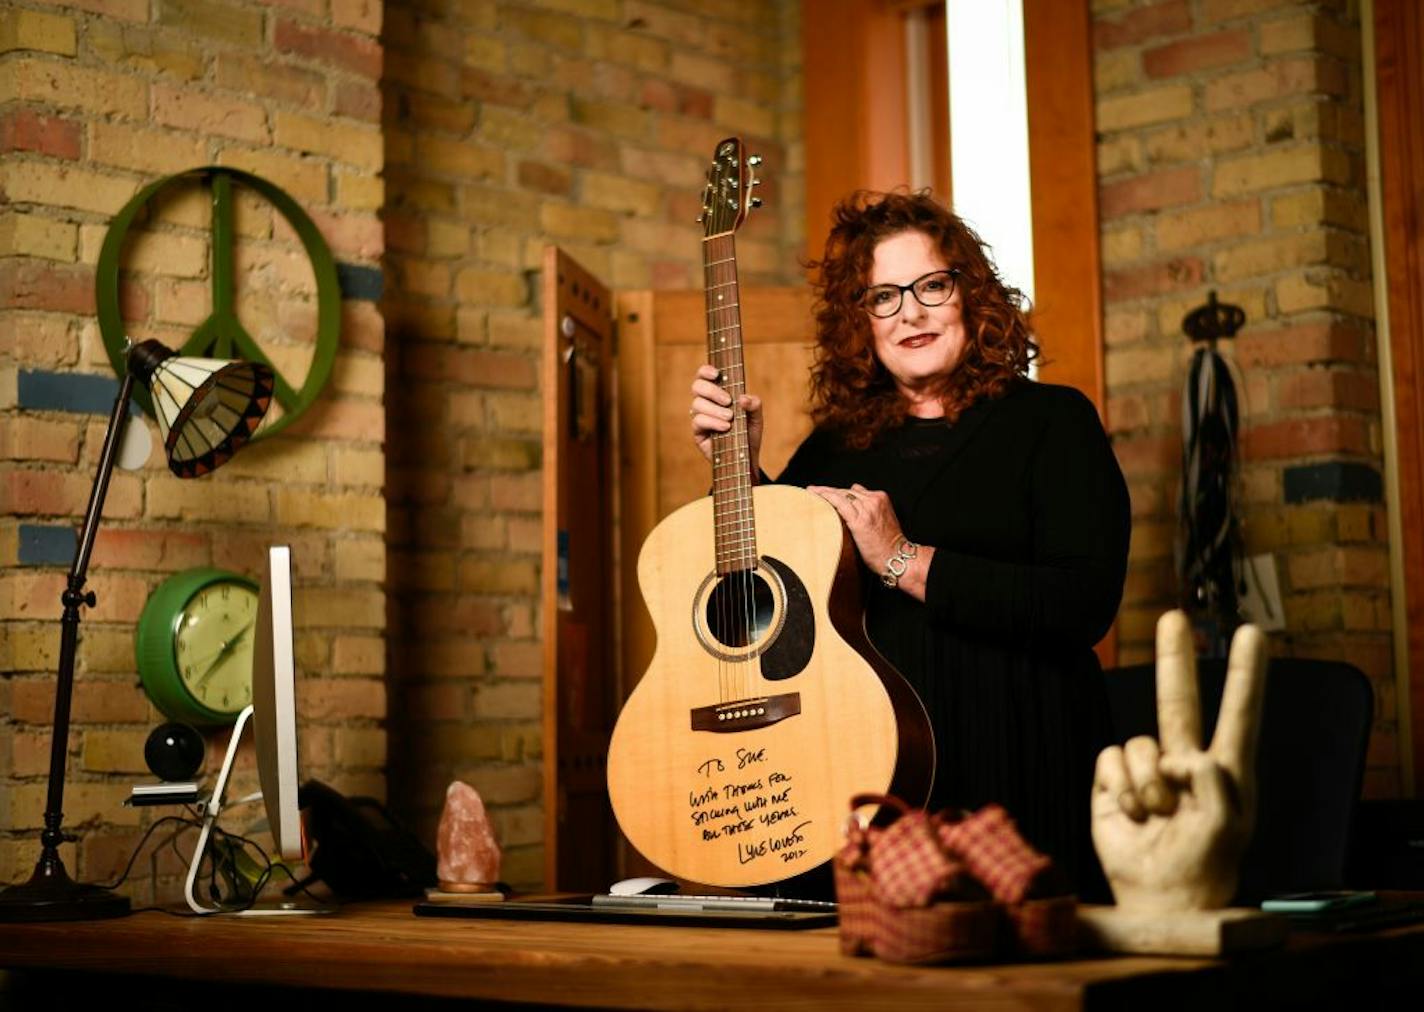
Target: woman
point(988, 510)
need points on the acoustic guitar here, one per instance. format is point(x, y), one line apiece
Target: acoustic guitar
point(765, 707)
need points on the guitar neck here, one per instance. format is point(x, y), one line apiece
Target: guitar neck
point(733, 517)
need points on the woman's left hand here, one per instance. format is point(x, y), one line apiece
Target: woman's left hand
point(870, 518)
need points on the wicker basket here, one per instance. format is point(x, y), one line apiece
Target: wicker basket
point(924, 906)
point(948, 932)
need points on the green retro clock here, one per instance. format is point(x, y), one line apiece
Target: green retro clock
point(194, 645)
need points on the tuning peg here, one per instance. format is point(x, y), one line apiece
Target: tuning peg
point(754, 160)
point(701, 218)
point(756, 202)
point(756, 181)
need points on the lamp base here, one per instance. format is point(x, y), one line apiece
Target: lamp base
point(57, 897)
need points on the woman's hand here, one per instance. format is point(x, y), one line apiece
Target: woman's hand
point(711, 414)
point(877, 533)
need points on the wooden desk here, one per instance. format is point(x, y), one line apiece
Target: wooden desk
point(382, 947)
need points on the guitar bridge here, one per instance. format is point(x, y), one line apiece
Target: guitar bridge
point(746, 714)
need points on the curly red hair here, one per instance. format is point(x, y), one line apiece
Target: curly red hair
point(851, 392)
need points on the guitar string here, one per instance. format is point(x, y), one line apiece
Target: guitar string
point(740, 580)
point(709, 277)
point(739, 443)
point(740, 463)
point(727, 324)
point(742, 442)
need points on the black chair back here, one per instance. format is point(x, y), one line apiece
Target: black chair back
point(1315, 728)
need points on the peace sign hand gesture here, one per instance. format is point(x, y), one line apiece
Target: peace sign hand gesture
point(1170, 823)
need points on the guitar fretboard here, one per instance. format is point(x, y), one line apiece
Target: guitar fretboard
point(733, 518)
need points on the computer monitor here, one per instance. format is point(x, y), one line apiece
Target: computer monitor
point(273, 714)
point(274, 704)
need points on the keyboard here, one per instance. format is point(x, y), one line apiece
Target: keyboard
point(730, 904)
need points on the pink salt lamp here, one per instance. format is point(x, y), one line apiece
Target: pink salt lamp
point(468, 856)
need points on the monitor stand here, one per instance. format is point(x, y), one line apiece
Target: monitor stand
point(210, 810)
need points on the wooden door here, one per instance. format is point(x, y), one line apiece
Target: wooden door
point(580, 698)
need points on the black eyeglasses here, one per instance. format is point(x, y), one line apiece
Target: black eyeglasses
point(932, 289)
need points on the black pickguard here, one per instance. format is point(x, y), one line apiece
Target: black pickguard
point(791, 651)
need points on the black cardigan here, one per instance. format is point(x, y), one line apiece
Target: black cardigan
point(1027, 509)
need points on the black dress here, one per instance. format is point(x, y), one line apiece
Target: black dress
point(1027, 509)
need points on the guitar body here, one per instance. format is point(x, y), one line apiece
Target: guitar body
point(765, 708)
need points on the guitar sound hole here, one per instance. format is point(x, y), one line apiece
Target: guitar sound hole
point(739, 609)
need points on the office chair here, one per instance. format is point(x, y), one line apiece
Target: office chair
point(1310, 762)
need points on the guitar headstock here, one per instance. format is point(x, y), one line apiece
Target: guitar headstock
point(727, 197)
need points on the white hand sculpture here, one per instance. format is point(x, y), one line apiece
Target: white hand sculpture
point(1170, 824)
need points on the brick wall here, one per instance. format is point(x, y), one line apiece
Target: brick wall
point(97, 98)
point(1231, 156)
point(586, 123)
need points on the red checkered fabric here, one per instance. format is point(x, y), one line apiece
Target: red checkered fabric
point(908, 864)
point(990, 844)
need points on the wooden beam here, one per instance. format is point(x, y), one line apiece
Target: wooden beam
point(1063, 181)
point(1399, 73)
point(938, 60)
point(854, 80)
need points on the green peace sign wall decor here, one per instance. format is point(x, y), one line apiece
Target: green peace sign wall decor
point(222, 335)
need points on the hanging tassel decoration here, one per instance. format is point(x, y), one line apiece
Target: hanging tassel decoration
point(1209, 542)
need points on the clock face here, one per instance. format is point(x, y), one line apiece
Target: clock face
point(213, 645)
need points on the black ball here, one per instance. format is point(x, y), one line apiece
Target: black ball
point(174, 751)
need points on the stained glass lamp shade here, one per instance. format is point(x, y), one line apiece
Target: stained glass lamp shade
point(207, 409)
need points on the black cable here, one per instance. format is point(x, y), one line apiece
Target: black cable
point(218, 839)
point(138, 848)
point(298, 885)
point(220, 836)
